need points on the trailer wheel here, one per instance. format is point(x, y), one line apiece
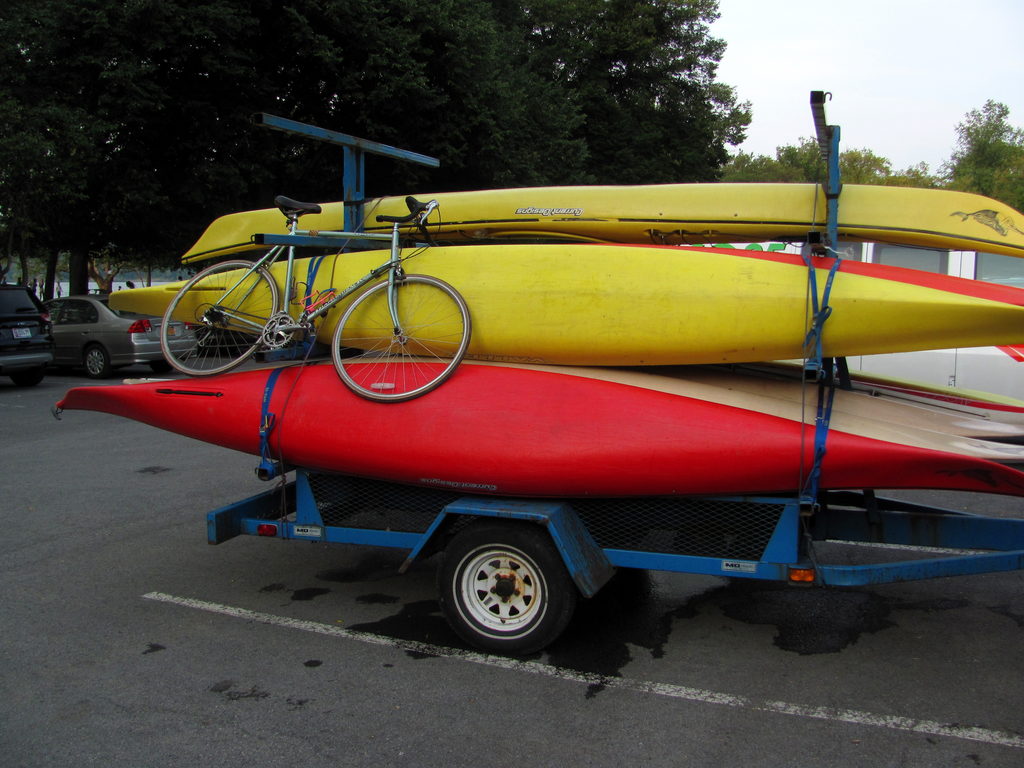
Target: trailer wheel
point(503, 587)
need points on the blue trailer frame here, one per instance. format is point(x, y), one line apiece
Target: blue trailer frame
point(975, 543)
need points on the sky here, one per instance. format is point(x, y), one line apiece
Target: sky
point(902, 73)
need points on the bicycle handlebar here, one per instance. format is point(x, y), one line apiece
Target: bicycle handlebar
point(416, 210)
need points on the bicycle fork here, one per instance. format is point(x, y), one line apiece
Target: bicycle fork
point(395, 273)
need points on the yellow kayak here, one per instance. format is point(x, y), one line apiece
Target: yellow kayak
point(582, 304)
point(670, 214)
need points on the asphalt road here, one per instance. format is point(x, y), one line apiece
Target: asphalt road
point(127, 640)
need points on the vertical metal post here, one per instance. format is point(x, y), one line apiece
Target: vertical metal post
point(828, 143)
point(833, 188)
point(354, 187)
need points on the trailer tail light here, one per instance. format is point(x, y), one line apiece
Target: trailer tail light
point(266, 529)
point(140, 326)
point(801, 575)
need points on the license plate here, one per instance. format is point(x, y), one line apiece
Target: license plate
point(23, 333)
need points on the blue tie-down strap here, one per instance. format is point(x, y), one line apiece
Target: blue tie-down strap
point(268, 468)
point(826, 396)
point(311, 272)
point(821, 312)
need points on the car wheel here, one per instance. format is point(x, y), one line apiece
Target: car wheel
point(97, 362)
point(504, 587)
point(28, 378)
point(159, 366)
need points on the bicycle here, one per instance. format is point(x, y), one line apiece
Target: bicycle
point(397, 340)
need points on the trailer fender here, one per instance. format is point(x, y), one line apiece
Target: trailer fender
point(586, 562)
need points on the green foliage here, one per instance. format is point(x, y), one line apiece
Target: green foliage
point(914, 176)
point(792, 163)
point(989, 155)
point(642, 76)
point(128, 123)
point(803, 163)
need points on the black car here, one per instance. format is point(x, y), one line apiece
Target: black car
point(26, 342)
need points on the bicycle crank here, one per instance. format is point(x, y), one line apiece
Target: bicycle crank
point(279, 331)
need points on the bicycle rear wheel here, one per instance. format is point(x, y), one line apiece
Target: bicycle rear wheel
point(383, 363)
point(225, 308)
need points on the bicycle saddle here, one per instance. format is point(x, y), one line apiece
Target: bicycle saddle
point(295, 208)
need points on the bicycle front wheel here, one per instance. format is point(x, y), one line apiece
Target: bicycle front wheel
point(382, 362)
point(225, 308)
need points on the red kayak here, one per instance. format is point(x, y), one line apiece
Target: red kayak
point(547, 431)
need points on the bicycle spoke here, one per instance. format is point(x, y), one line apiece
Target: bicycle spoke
point(382, 364)
point(225, 308)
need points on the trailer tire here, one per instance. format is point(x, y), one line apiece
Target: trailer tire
point(503, 587)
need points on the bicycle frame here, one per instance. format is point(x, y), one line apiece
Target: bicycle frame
point(392, 267)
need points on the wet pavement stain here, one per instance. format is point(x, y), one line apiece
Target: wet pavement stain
point(312, 663)
point(419, 621)
point(639, 611)
point(276, 587)
point(810, 621)
point(152, 470)
point(252, 693)
point(376, 598)
point(420, 655)
point(626, 612)
point(930, 606)
point(309, 593)
point(225, 686)
point(1004, 610)
point(153, 648)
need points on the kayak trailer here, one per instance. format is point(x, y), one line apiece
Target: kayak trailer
point(512, 569)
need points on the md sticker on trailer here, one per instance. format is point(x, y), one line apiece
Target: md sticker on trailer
point(738, 566)
point(311, 531)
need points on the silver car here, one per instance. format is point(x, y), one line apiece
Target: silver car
point(89, 333)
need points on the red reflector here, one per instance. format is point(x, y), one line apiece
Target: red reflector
point(802, 575)
point(140, 326)
point(266, 529)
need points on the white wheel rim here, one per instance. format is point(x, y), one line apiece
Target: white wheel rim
point(501, 590)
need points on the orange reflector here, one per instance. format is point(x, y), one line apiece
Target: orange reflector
point(801, 575)
point(266, 529)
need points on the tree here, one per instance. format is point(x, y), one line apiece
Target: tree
point(642, 75)
point(803, 163)
point(128, 123)
point(792, 163)
point(41, 137)
point(93, 154)
point(915, 176)
point(989, 155)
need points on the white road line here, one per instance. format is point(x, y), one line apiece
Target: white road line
point(698, 695)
